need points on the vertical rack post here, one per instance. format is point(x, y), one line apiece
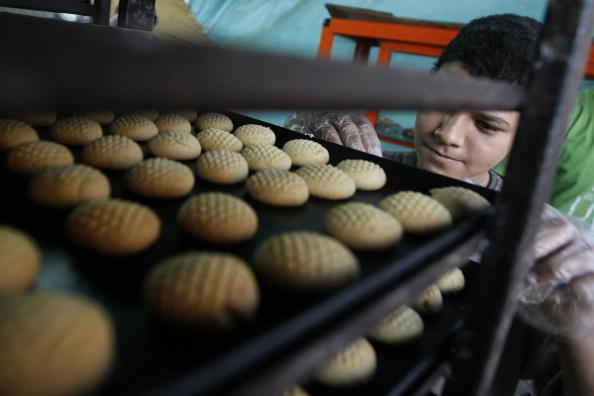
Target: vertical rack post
point(562, 56)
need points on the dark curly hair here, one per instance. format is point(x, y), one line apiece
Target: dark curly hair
point(501, 47)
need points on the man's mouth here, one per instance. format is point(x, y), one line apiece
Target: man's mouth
point(439, 156)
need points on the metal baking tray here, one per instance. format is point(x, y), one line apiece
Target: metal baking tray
point(281, 344)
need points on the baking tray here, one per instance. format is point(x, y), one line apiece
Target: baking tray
point(156, 358)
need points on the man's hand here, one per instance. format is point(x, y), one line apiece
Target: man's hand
point(348, 129)
point(563, 272)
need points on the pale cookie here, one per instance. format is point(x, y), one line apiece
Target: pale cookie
point(15, 132)
point(113, 226)
point(368, 176)
point(451, 282)
point(75, 131)
point(459, 201)
point(430, 300)
point(175, 145)
point(214, 120)
point(260, 156)
point(207, 289)
point(151, 114)
point(222, 166)
point(188, 114)
point(277, 187)
point(28, 158)
point(217, 139)
point(402, 325)
point(103, 117)
point(19, 260)
point(253, 133)
point(306, 152)
point(218, 217)
point(173, 122)
point(135, 127)
point(354, 365)
point(113, 152)
point(306, 261)
point(160, 178)
point(53, 343)
point(38, 118)
point(418, 213)
point(68, 185)
point(362, 226)
point(327, 181)
point(293, 391)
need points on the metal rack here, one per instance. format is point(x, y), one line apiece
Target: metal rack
point(136, 71)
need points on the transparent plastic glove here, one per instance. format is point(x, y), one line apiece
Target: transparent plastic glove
point(558, 296)
point(348, 128)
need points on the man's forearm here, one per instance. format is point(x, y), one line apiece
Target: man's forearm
point(578, 367)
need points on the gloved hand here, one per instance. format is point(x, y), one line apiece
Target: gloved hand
point(559, 287)
point(349, 129)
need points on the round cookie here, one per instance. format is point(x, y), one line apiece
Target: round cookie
point(113, 152)
point(217, 139)
point(430, 300)
point(28, 158)
point(459, 201)
point(53, 343)
point(207, 289)
point(103, 117)
point(188, 114)
point(306, 152)
point(68, 185)
point(260, 156)
point(214, 120)
point(277, 187)
point(402, 325)
point(19, 260)
point(418, 213)
point(368, 176)
point(173, 122)
point(451, 282)
point(218, 217)
point(253, 133)
point(327, 181)
point(38, 118)
point(15, 132)
point(135, 127)
point(354, 365)
point(305, 261)
point(222, 166)
point(160, 178)
point(362, 226)
point(175, 145)
point(75, 130)
point(113, 226)
point(151, 114)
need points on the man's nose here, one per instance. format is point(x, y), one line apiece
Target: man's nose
point(452, 130)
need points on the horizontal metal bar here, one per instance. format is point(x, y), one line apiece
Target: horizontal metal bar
point(99, 67)
point(67, 6)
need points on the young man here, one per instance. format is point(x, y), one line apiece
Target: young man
point(467, 145)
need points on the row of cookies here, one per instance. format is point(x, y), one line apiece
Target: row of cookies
point(357, 363)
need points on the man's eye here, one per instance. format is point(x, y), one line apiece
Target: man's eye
point(487, 126)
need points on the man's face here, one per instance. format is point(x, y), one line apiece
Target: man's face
point(463, 144)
